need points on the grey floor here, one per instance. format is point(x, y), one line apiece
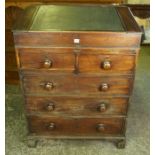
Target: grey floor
point(137, 128)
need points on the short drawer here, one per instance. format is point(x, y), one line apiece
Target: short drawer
point(116, 61)
point(76, 84)
point(58, 126)
point(107, 61)
point(51, 59)
point(77, 106)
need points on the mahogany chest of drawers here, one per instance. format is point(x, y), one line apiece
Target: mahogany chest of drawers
point(77, 67)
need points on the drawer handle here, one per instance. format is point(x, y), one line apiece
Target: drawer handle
point(104, 87)
point(100, 127)
point(51, 126)
point(102, 107)
point(48, 86)
point(106, 65)
point(50, 107)
point(47, 63)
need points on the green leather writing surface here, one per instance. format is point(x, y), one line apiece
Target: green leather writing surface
point(76, 18)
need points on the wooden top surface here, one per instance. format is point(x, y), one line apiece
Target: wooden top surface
point(57, 18)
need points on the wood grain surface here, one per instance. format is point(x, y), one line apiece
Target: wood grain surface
point(75, 126)
point(77, 106)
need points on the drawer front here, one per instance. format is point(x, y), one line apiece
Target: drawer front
point(76, 84)
point(47, 59)
point(81, 106)
point(89, 60)
point(58, 126)
point(63, 39)
point(106, 61)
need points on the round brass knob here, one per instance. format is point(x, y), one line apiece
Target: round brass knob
point(47, 63)
point(50, 107)
point(106, 64)
point(100, 127)
point(51, 126)
point(102, 107)
point(104, 87)
point(49, 86)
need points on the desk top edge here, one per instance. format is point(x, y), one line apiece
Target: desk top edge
point(24, 23)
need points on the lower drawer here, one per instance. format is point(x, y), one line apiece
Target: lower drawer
point(61, 126)
point(84, 106)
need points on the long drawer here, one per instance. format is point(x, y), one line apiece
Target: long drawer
point(58, 126)
point(77, 84)
point(77, 106)
point(89, 60)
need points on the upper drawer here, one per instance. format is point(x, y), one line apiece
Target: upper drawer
point(89, 60)
point(73, 39)
point(53, 59)
point(58, 84)
point(106, 61)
